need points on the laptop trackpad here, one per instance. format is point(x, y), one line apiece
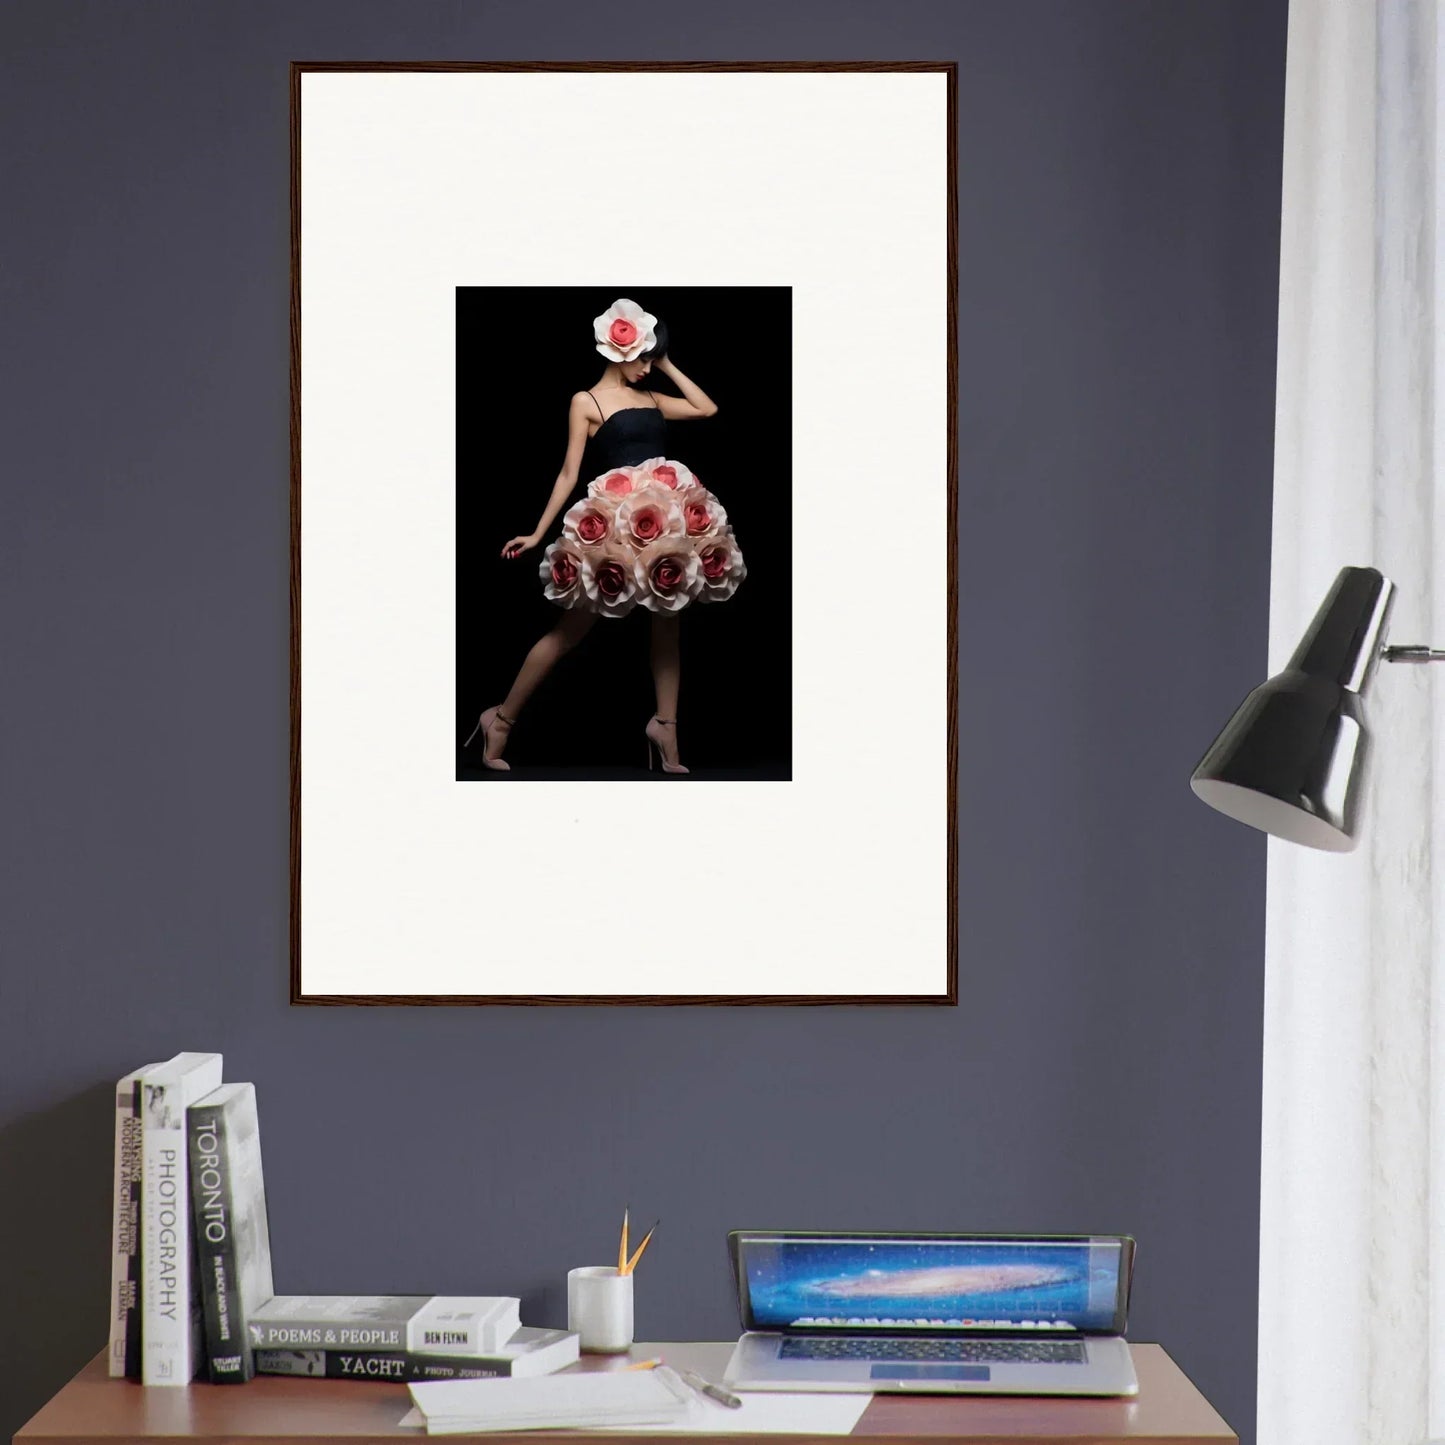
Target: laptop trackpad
point(930, 1372)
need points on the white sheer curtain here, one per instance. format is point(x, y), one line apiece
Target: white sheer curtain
point(1352, 1231)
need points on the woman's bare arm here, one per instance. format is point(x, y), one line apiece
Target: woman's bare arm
point(693, 403)
point(577, 417)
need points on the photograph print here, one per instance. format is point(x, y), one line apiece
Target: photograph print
point(590, 494)
point(623, 470)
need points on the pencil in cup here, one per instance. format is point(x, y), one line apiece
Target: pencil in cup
point(637, 1253)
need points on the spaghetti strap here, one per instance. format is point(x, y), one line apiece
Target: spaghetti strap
point(655, 401)
point(598, 405)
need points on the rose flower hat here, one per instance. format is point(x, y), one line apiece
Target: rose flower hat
point(624, 331)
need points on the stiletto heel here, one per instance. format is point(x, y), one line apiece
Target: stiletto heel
point(654, 743)
point(484, 725)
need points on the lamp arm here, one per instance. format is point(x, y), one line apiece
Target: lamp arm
point(1414, 653)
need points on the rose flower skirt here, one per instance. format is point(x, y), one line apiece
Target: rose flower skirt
point(651, 536)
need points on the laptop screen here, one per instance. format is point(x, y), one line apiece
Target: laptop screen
point(895, 1283)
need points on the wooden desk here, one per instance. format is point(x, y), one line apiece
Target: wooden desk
point(95, 1410)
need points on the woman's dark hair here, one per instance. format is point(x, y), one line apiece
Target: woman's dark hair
point(658, 349)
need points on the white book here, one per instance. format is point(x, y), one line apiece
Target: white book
point(466, 1325)
point(125, 1228)
point(555, 1402)
point(425, 1324)
point(170, 1306)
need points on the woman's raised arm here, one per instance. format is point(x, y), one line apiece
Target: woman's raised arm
point(693, 403)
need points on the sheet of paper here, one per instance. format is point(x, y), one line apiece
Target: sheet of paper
point(567, 1400)
point(768, 1412)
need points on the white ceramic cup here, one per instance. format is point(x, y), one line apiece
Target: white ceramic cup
point(599, 1308)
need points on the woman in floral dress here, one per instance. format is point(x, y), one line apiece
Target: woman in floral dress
point(646, 534)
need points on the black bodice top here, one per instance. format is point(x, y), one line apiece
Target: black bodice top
point(629, 436)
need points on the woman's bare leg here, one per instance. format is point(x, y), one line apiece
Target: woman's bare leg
point(666, 679)
point(547, 651)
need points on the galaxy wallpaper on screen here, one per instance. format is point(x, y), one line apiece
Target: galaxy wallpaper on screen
point(939, 1284)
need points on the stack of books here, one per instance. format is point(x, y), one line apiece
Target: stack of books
point(403, 1338)
point(191, 1284)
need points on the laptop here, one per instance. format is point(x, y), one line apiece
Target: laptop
point(991, 1314)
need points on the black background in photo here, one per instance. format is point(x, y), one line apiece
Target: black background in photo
point(521, 354)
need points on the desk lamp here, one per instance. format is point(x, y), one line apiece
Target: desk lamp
point(1292, 759)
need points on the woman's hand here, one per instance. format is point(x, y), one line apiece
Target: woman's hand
point(518, 545)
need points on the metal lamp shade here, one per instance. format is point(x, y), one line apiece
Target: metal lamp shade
point(1292, 759)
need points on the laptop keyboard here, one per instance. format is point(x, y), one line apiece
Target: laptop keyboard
point(983, 1352)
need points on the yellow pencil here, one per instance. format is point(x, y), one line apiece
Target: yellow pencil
point(622, 1246)
point(637, 1253)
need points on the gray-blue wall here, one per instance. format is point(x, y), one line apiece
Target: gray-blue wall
point(1120, 167)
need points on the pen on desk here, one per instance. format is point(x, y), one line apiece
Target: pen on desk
point(637, 1253)
point(713, 1392)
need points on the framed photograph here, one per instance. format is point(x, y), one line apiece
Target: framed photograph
point(623, 539)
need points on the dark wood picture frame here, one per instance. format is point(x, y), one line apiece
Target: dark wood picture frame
point(950, 997)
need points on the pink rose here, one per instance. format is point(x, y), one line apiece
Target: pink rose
point(647, 524)
point(622, 333)
point(609, 580)
point(703, 514)
point(589, 521)
point(668, 575)
point(665, 472)
point(561, 573)
point(620, 482)
point(647, 515)
point(720, 567)
point(714, 563)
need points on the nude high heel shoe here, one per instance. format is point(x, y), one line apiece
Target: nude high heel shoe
point(657, 734)
point(484, 724)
